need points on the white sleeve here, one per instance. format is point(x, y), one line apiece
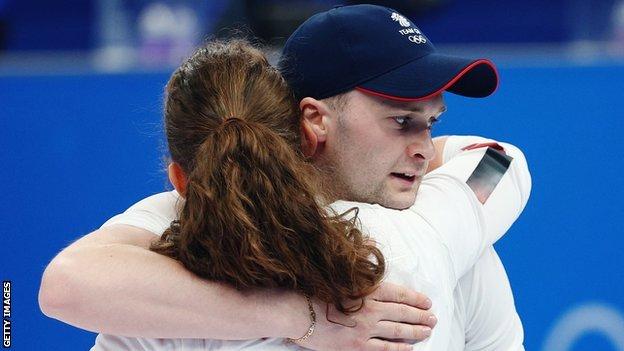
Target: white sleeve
point(494, 325)
point(474, 197)
point(491, 320)
point(511, 194)
point(154, 213)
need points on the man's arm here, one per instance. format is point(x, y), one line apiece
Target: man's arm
point(109, 282)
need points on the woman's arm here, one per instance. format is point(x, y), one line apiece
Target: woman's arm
point(438, 159)
point(474, 197)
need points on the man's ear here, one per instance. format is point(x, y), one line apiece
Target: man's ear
point(177, 177)
point(313, 125)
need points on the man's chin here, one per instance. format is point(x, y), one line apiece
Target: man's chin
point(399, 201)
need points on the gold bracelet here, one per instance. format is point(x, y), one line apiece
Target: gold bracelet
point(312, 318)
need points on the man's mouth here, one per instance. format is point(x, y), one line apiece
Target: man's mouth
point(410, 177)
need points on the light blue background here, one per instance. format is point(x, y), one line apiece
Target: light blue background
point(77, 149)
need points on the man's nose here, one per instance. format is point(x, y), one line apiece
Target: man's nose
point(422, 147)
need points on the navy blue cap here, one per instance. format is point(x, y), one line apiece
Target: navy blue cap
point(378, 51)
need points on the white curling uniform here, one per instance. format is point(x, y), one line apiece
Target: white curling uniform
point(461, 209)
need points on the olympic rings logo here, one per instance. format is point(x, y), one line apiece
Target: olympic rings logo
point(418, 39)
point(590, 317)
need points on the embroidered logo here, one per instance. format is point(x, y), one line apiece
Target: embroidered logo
point(402, 20)
point(412, 33)
point(418, 39)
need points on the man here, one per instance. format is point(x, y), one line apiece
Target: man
point(371, 55)
point(374, 58)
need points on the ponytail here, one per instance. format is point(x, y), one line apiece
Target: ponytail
point(251, 216)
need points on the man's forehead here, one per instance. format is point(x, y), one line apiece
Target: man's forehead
point(414, 106)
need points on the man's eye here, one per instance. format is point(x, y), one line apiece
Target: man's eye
point(402, 120)
point(432, 121)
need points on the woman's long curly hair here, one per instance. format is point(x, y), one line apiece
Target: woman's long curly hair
point(250, 216)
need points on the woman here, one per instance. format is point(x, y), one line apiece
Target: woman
point(251, 217)
point(253, 213)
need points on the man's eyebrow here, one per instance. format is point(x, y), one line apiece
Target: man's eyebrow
point(418, 109)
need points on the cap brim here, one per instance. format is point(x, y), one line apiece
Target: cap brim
point(432, 74)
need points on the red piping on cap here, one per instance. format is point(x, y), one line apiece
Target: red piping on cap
point(446, 86)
